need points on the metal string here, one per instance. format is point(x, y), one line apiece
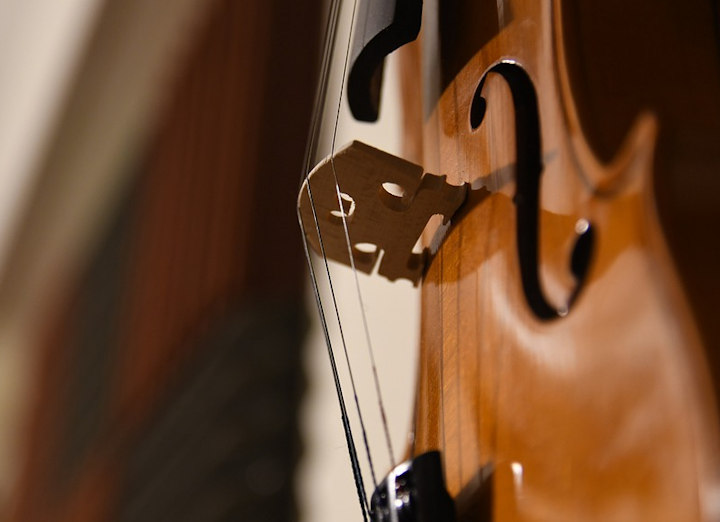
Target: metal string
point(310, 150)
point(325, 260)
point(312, 143)
point(352, 451)
point(330, 34)
point(371, 353)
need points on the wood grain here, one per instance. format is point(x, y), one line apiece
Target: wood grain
point(134, 414)
point(608, 413)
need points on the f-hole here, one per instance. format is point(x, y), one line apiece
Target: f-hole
point(529, 167)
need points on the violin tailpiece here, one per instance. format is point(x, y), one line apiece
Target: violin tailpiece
point(414, 491)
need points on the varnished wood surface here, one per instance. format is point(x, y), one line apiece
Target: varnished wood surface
point(608, 413)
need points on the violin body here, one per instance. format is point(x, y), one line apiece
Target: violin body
point(572, 394)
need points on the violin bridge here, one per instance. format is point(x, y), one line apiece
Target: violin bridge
point(386, 204)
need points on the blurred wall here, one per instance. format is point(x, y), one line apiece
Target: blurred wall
point(45, 58)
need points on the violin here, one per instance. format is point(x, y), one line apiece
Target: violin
point(560, 173)
point(568, 364)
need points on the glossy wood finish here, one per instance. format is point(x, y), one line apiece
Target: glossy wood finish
point(607, 413)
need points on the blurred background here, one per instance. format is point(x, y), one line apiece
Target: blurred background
point(159, 357)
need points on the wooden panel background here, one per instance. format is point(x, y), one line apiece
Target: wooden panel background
point(145, 406)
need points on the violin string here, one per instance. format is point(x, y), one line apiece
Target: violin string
point(343, 216)
point(330, 35)
point(351, 256)
point(321, 91)
point(347, 429)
